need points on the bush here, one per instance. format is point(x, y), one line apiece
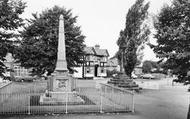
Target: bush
point(25, 79)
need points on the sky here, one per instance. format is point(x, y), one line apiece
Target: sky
point(100, 20)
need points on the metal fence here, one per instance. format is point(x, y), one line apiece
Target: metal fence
point(119, 98)
point(107, 98)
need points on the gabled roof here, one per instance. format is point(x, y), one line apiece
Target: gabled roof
point(96, 51)
point(101, 52)
point(89, 50)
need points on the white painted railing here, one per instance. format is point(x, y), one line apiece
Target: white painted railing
point(105, 99)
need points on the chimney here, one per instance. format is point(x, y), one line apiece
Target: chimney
point(97, 46)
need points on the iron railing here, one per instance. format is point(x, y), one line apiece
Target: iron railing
point(30, 98)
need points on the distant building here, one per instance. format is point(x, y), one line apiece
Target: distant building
point(17, 70)
point(95, 63)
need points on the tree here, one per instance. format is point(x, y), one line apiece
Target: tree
point(173, 36)
point(10, 21)
point(134, 35)
point(38, 48)
point(149, 65)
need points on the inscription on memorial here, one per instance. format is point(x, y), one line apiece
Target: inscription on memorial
point(62, 84)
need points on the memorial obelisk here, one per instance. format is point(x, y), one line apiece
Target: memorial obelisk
point(61, 65)
point(60, 82)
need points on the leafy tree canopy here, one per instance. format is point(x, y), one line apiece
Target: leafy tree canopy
point(38, 48)
point(149, 65)
point(173, 36)
point(134, 35)
point(10, 11)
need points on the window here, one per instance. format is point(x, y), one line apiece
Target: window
point(87, 58)
point(16, 70)
point(20, 71)
point(102, 70)
point(102, 64)
point(79, 64)
point(88, 70)
point(88, 63)
point(91, 63)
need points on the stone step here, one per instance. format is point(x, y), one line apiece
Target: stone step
point(128, 86)
point(112, 82)
point(122, 80)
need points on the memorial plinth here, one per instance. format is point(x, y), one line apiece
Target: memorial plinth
point(60, 83)
point(123, 81)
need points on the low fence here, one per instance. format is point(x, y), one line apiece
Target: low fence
point(84, 100)
point(122, 100)
point(4, 86)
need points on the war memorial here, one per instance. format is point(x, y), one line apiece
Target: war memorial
point(60, 87)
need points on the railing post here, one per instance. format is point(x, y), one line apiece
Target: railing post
point(105, 90)
point(133, 102)
point(2, 96)
point(29, 104)
point(112, 93)
point(66, 106)
point(101, 100)
point(113, 99)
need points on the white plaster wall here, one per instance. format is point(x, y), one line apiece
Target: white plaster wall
point(78, 74)
point(89, 75)
point(103, 74)
point(1, 79)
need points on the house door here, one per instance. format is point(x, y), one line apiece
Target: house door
point(96, 70)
